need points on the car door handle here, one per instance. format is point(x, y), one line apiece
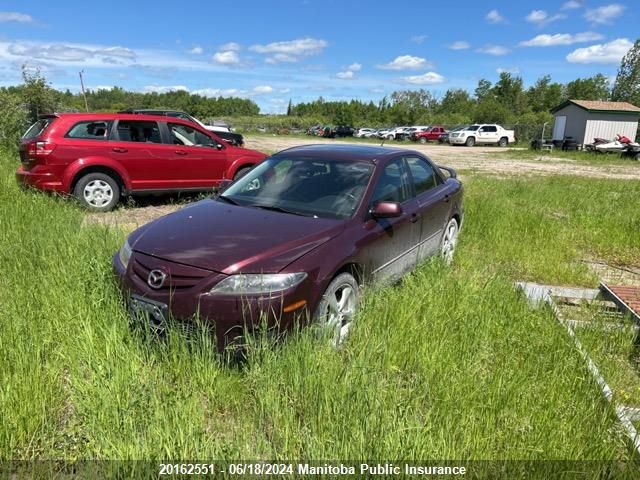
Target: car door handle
point(120, 150)
point(180, 152)
point(414, 217)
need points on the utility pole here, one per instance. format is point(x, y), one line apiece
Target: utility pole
point(86, 105)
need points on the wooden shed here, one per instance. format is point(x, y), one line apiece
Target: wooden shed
point(584, 120)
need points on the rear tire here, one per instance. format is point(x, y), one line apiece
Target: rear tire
point(503, 142)
point(471, 141)
point(449, 240)
point(241, 173)
point(97, 192)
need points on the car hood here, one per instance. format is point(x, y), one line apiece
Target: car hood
point(233, 239)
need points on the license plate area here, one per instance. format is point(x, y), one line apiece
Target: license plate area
point(152, 313)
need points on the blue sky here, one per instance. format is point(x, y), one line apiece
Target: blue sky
point(272, 51)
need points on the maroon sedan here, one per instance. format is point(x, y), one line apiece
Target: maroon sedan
point(293, 240)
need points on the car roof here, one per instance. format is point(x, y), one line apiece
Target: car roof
point(346, 152)
point(119, 116)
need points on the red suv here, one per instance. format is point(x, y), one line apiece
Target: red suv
point(99, 157)
point(430, 135)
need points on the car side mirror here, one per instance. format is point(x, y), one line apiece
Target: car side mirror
point(386, 210)
point(219, 146)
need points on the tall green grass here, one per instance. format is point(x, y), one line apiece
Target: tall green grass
point(451, 363)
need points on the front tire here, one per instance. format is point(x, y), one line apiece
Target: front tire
point(423, 140)
point(98, 192)
point(336, 311)
point(470, 142)
point(449, 240)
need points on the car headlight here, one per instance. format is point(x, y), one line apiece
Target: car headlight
point(252, 283)
point(125, 253)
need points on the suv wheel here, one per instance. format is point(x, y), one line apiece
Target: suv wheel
point(471, 141)
point(423, 140)
point(503, 142)
point(97, 191)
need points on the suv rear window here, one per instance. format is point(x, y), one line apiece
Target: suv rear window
point(37, 128)
point(90, 130)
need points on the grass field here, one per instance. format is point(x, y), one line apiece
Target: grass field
point(450, 364)
point(589, 158)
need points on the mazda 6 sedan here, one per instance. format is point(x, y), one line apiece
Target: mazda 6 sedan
point(293, 241)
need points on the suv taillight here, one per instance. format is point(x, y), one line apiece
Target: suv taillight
point(38, 150)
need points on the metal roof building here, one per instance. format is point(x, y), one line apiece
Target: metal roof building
point(584, 120)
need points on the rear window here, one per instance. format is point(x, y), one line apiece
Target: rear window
point(90, 130)
point(38, 128)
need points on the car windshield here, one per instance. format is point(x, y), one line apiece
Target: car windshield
point(473, 128)
point(303, 186)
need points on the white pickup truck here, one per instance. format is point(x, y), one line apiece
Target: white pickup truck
point(489, 133)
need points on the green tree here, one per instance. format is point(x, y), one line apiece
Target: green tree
point(627, 86)
point(483, 90)
point(37, 94)
point(544, 95)
point(592, 88)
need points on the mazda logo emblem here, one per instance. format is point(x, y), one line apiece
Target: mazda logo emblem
point(156, 278)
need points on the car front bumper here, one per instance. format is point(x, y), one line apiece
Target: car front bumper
point(229, 315)
point(457, 140)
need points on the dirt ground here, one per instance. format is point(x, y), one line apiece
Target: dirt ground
point(467, 160)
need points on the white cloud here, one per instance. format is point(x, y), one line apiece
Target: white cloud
point(349, 73)
point(546, 40)
point(69, 53)
point(346, 75)
point(233, 46)
point(540, 17)
point(418, 39)
point(604, 14)
point(514, 70)
point(290, 51)
point(164, 88)
point(429, 78)
point(494, 17)
point(219, 92)
point(197, 50)
point(571, 5)
point(497, 50)
point(406, 62)
point(15, 17)
point(226, 58)
point(611, 52)
point(262, 89)
point(459, 45)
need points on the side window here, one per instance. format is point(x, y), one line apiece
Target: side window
point(490, 129)
point(393, 184)
point(90, 130)
point(188, 136)
point(424, 178)
point(139, 131)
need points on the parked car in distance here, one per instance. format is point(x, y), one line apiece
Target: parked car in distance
point(293, 240)
point(221, 129)
point(364, 132)
point(343, 131)
point(408, 132)
point(444, 137)
point(431, 134)
point(482, 134)
point(100, 157)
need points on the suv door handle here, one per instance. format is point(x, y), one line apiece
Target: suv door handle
point(180, 152)
point(120, 150)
